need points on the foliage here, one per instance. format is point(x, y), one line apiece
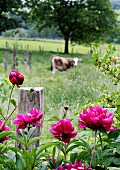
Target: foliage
point(78, 21)
point(10, 14)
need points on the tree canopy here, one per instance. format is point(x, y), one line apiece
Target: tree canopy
point(10, 14)
point(82, 21)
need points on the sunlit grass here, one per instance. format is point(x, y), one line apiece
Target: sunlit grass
point(42, 45)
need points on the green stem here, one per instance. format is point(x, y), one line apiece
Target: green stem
point(13, 111)
point(65, 152)
point(100, 140)
point(92, 154)
point(9, 100)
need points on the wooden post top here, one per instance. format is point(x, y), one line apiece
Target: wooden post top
point(31, 88)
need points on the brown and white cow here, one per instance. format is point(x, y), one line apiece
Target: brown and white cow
point(62, 64)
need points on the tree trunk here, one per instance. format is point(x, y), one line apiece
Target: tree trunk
point(66, 51)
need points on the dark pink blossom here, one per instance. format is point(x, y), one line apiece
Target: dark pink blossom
point(16, 77)
point(32, 118)
point(76, 166)
point(96, 118)
point(4, 128)
point(63, 130)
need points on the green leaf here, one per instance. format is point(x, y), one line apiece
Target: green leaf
point(116, 161)
point(4, 133)
point(103, 131)
point(59, 161)
point(22, 132)
point(51, 164)
point(54, 118)
point(113, 134)
point(107, 161)
point(61, 147)
point(0, 110)
point(28, 158)
point(118, 150)
point(33, 140)
point(84, 155)
point(53, 152)
point(47, 145)
point(118, 101)
point(73, 157)
point(18, 139)
point(71, 148)
point(31, 132)
point(13, 102)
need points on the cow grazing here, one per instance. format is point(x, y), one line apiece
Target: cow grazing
point(62, 64)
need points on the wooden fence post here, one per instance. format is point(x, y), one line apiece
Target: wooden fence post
point(25, 61)
point(27, 101)
point(30, 61)
point(13, 58)
point(6, 60)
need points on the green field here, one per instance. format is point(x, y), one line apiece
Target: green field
point(73, 88)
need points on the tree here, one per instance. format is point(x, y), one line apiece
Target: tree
point(78, 20)
point(10, 11)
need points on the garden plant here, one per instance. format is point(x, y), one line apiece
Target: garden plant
point(89, 142)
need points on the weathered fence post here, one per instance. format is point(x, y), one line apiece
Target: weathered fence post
point(30, 61)
point(27, 101)
point(13, 58)
point(6, 60)
point(25, 61)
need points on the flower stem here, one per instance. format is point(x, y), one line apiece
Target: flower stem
point(9, 100)
point(100, 140)
point(65, 151)
point(13, 111)
point(92, 154)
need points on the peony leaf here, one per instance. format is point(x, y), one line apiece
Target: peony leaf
point(53, 152)
point(18, 139)
point(73, 157)
point(4, 133)
point(13, 102)
point(33, 140)
point(71, 148)
point(54, 118)
point(47, 145)
point(31, 132)
point(59, 146)
point(116, 161)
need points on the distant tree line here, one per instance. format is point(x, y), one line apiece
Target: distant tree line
point(50, 33)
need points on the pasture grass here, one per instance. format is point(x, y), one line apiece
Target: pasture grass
point(73, 88)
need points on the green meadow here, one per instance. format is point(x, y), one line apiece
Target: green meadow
point(74, 88)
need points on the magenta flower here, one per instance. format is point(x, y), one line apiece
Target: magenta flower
point(32, 118)
point(16, 78)
point(96, 118)
point(4, 128)
point(63, 130)
point(76, 166)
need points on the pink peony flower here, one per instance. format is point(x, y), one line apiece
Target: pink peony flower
point(32, 118)
point(16, 78)
point(4, 128)
point(76, 166)
point(96, 118)
point(63, 130)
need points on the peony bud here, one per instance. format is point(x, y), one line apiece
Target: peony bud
point(16, 78)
